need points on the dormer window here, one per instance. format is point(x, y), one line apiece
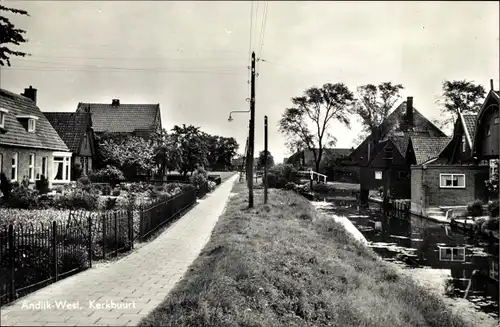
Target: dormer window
point(3, 113)
point(28, 122)
point(31, 125)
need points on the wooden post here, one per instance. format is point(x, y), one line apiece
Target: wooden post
point(12, 263)
point(90, 240)
point(265, 159)
point(54, 250)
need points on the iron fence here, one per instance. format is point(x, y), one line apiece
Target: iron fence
point(35, 255)
point(158, 214)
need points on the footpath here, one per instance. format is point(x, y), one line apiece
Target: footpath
point(121, 293)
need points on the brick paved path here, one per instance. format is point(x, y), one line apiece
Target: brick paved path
point(145, 276)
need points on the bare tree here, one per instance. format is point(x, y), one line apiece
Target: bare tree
point(318, 107)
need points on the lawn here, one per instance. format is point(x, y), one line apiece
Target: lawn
point(284, 264)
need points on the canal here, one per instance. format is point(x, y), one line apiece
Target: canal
point(457, 262)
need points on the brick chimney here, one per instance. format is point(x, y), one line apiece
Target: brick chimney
point(491, 84)
point(115, 102)
point(30, 93)
point(409, 112)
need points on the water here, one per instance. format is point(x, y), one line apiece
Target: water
point(446, 257)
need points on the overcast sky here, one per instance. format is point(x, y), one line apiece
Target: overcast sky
point(192, 57)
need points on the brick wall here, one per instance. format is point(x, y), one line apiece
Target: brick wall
point(400, 185)
point(426, 191)
point(23, 161)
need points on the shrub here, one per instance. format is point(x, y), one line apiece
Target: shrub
point(116, 192)
point(475, 208)
point(84, 181)
point(5, 186)
point(110, 204)
point(199, 180)
point(211, 186)
point(76, 257)
point(77, 199)
point(23, 198)
point(290, 186)
point(42, 185)
point(106, 190)
point(279, 175)
point(215, 178)
point(493, 209)
point(492, 224)
point(110, 174)
point(25, 183)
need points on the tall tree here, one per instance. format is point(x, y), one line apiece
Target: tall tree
point(460, 96)
point(374, 105)
point(167, 153)
point(194, 148)
point(262, 159)
point(220, 151)
point(10, 35)
point(318, 107)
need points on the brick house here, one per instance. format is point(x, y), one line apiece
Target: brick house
point(29, 145)
point(75, 129)
point(456, 176)
point(373, 155)
point(486, 141)
point(304, 159)
point(142, 120)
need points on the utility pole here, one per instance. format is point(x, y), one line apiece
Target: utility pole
point(265, 159)
point(252, 133)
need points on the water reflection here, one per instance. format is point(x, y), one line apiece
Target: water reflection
point(471, 261)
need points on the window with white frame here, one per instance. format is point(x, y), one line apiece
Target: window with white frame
point(13, 171)
point(452, 180)
point(3, 113)
point(464, 146)
point(378, 175)
point(61, 168)
point(31, 125)
point(31, 167)
point(447, 253)
point(494, 269)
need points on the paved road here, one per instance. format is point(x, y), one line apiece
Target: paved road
point(121, 293)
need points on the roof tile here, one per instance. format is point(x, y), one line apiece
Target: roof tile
point(426, 148)
point(71, 127)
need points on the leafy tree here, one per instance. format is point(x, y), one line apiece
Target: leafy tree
point(9, 34)
point(261, 160)
point(220, 151)
point(167, 153)
point(318, 107)
point(194, 148)
point(460, 96)
point(131, 154)
point(374, 105)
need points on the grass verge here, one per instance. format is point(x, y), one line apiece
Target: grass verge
point(284, 264)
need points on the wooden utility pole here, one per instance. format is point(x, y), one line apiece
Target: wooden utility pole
point(251, 140)
point(265, 159)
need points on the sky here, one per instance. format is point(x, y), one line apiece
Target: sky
point(192, 57)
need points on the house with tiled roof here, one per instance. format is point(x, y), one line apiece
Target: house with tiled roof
point(75, 129)
point(457, 174)
point(383, 160)
point(142, 120)
point(29, 145)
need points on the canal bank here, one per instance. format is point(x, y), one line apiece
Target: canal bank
point(438, 256)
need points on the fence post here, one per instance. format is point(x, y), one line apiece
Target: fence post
point(130, 217)
point(90, 240)
point(104, 236)
point(141, 221)
point(54, 250)
point(12, 267)
point(116, 235)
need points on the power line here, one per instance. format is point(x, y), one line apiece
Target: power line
point(263, 28)
point(133, 58)
point(107, 70)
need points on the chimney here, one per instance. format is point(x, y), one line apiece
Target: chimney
point(30, 93)
point(491, 84)
point(115, 102)
point(409, 111)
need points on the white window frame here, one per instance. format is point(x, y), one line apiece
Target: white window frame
point(493, 271)
point(66, 167)
point(3, 113)
point(15, 166)
point(31, 167)
point(453, 258)
point(442, 185)
point(379, 173)
point(464, 147)
point(41, 170)
point(31, 125)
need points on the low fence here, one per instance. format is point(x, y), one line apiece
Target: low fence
point(35, 255)
point(156, 215)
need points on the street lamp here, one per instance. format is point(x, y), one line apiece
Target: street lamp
point(230, 119)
